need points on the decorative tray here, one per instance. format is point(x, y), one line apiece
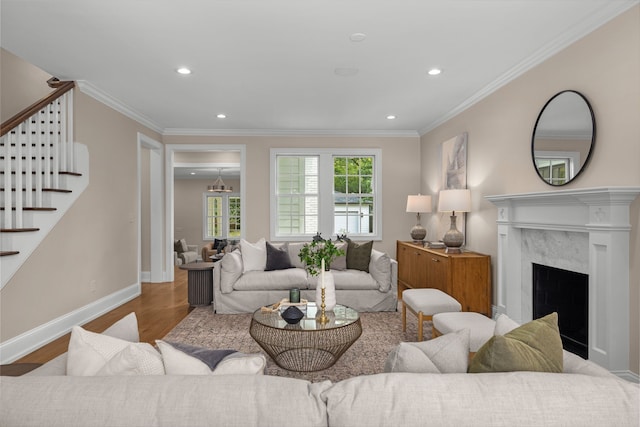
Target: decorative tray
point(284, 303)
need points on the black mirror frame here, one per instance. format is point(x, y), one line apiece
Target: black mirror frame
point(593, 137)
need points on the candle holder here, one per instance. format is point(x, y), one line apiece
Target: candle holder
point(323, 319)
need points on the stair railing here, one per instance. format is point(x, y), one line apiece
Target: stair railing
point(38, 141)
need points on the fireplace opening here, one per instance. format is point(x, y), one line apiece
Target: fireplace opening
point(567, 293)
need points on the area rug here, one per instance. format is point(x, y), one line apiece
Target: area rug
point(381, 332)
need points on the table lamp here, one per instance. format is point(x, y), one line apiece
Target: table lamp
point(417, 204)
point(452, 201)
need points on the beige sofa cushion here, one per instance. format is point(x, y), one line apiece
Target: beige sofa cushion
point(380, 270)
point(272, 280)
point(505, 399)
point(168, 400)
point(230, 271)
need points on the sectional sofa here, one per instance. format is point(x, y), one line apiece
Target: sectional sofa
point(238, 289)
point(110, 379)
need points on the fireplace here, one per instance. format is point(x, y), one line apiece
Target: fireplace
point(567, 293)
point(583, 230)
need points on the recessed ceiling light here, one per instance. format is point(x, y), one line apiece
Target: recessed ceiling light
point(221, 116)
point(183, 71)
point(391, 117)
point(357, 37)
point(193, 173)
point(434, 71)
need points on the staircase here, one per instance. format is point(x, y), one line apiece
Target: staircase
point(42, 173)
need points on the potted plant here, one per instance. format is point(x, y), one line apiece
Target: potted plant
point(313, 253)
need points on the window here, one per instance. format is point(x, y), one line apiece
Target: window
point(334, 192)
point(554, 171)
point(221, 216)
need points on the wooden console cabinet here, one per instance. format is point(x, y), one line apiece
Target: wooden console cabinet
point(465, 276)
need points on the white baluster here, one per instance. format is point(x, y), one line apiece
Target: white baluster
point(62, 107)
point(39, 153)
point(68, 125)
point(18, 178)
point(55, 138)
point(7, 180)
point(28, 176)
point(45, 116)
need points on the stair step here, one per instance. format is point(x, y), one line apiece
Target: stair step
point(31, 209)
point(60, 173)
point(18, 230)
point(47, 190)
point(7, 253)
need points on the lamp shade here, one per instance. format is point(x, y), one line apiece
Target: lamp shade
point(454, 200)
point(418, 203)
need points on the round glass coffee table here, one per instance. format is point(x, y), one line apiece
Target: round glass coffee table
point(308, 345)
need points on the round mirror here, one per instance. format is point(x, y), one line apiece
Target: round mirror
point(563, 138)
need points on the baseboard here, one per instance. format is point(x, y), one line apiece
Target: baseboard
point(32, 340)
point(628, 375)
point(145, 276)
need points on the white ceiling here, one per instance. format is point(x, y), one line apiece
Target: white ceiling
point(270, 65)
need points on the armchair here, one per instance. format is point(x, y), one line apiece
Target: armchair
point(183, 253)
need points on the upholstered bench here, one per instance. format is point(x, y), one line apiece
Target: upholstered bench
point(480, 326)
point(424, 303)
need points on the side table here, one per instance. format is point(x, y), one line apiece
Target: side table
point(200, 282)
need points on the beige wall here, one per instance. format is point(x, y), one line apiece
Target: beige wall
point(400, 177)
point(92, 252)
point(21, 85)
point(604, 66)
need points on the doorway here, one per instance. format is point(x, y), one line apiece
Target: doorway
point(170, 163)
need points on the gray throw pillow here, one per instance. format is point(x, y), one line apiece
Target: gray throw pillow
point(359, 255)
point(340, 263)
point(277, 259)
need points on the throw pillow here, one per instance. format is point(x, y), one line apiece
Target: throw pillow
point(220, 244)
point(504, 325)
point(446, 354)
point(294, 251)
point(534, 346)
point(340, 263)
point(182, 359)
point(277, 258)
point(134, 359)
point(90, 353)
point(359, 255)
point(125, 328)
point(180, 246)
point(254, 255)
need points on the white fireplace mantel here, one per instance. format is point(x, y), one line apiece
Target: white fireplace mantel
point(603, 214)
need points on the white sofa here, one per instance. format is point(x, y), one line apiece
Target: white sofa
point(236, 291)
point(582, 396)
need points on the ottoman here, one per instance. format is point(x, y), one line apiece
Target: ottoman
point(480, 326)
point(424, 303)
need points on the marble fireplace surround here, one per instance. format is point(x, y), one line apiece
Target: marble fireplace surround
point(584, 230)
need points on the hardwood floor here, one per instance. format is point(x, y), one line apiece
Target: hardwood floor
point(159, 308)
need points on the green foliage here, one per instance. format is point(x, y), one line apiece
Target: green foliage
point(313, 253)
point(353, 175)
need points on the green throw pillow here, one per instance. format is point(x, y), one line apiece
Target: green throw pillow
point(534, 346)
point(359, 255)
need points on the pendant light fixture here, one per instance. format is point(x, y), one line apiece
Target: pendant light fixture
point(218, 185)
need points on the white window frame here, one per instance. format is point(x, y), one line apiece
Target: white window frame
point(225, 215)
point(325, 196)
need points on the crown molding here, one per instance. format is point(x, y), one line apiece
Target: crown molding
point(285, 132)
point(573, 34)
point(103, 97)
